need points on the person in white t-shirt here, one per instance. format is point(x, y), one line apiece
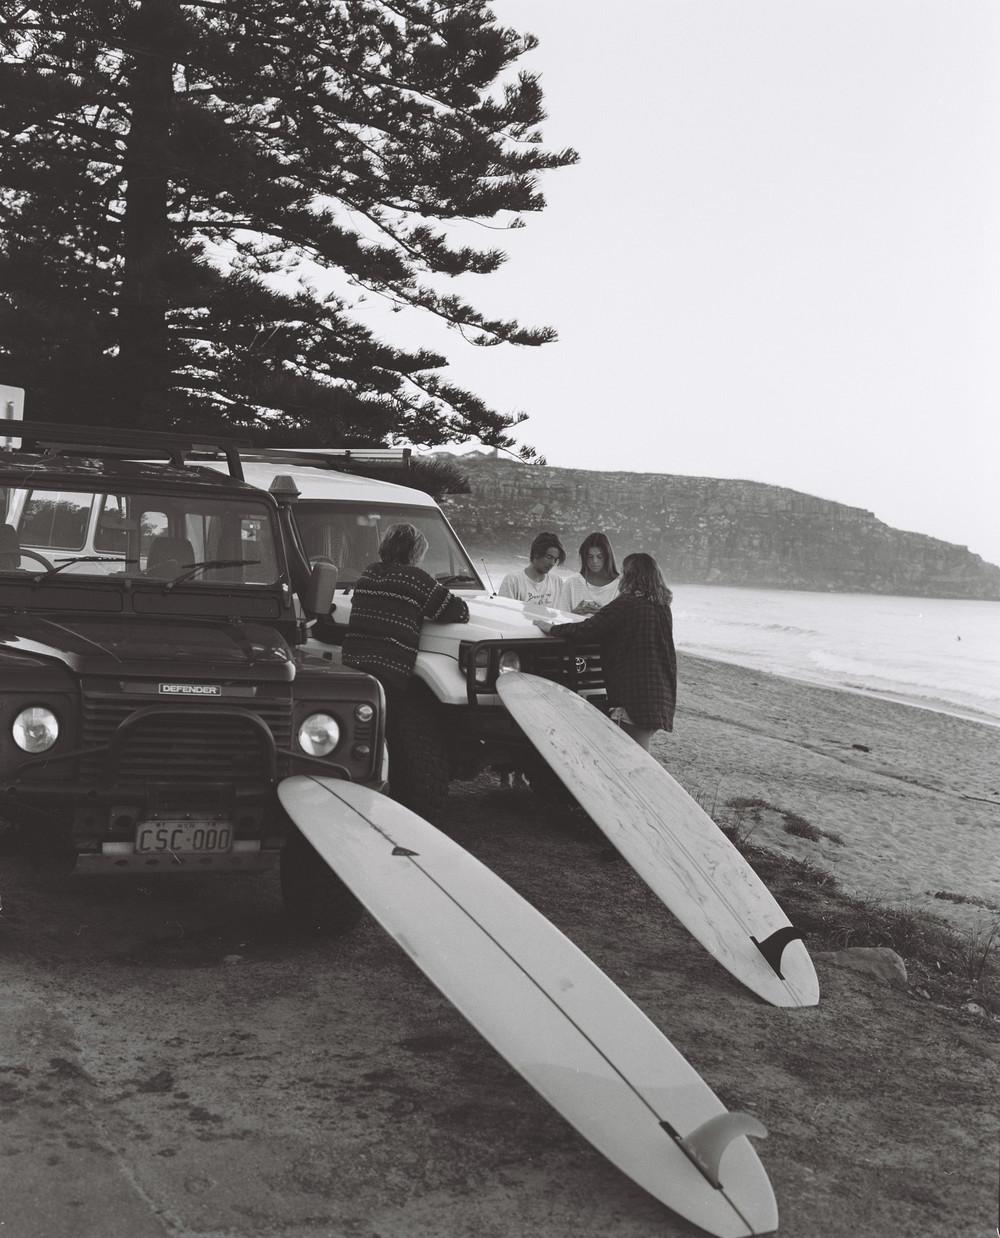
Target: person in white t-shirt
point(597, 582)
point(537, 582)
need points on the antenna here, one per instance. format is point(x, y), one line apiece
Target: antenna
point(493, 591)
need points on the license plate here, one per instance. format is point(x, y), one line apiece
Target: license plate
point(212, 837)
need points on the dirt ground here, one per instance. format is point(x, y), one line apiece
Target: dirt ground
point(175, 1063)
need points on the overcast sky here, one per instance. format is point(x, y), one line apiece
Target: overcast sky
point(779, 256)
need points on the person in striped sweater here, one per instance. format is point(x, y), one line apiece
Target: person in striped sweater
point(390, 604)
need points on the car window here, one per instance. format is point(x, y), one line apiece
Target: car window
point(55, 521)
point(349, 535)
point(226, 539)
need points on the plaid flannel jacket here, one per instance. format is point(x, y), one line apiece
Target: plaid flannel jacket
point(636, 636)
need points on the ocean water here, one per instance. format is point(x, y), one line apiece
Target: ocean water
point(935, 653)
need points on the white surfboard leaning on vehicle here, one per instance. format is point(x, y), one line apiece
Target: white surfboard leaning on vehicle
point(670, 841)
point(543, 1005)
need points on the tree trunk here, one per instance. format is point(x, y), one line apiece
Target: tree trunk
point(143, 357)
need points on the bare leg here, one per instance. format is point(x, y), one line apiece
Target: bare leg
point(641, 735)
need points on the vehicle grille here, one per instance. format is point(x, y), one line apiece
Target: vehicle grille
point(171, 742)
point(550, 661)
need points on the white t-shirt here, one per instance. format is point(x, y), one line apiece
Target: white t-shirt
point(545, 592)
point(576, 590)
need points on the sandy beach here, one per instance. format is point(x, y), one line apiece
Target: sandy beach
point(912, 795)
point(180, 1064)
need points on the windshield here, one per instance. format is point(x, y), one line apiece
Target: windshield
point(348, 535)
point(187, 539)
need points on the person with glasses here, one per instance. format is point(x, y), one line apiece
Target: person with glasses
point(537, 583)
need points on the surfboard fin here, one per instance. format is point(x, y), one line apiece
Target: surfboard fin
point(705, 1146)
point(773, 947)
point(404, 851)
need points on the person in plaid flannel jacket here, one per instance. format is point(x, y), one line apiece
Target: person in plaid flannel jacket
point(635, 632)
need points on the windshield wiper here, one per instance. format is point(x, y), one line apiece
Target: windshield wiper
point(444, 579)
point(54, 571)
point(206, 565)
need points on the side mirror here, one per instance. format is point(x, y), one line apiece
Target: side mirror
point(318, 595)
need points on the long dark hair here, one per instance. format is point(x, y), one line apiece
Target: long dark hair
point(641, 578)
point(600, 541)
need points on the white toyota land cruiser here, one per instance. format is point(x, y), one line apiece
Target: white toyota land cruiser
point(454, 723)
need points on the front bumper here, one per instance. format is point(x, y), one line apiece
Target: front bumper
point(573, 664)
point(261, 860)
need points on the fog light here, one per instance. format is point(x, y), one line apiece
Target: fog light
point(364, 713)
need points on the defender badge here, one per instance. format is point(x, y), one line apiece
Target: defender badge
point(190, 689)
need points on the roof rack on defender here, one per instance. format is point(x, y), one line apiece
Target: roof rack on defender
point(63, 438)
point(340, 458)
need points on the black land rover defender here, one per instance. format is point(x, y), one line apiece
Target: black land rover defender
point(153, 688)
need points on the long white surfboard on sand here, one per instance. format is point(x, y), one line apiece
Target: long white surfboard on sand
point(670, 841)
point(543, 1005)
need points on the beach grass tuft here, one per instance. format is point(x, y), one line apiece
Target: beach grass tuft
point(753, 808)
point(800, 827)
point(752, 805)
point(968, 899)
point(978, 946)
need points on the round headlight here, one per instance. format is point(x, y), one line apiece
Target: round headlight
point(364, 713)
point(509, 661)
point(35, 729)
point(319, 735)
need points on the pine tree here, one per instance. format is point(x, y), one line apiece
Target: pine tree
point(165, 167)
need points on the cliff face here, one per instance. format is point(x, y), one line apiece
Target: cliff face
point(708, 531)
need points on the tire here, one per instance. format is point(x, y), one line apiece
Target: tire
point(314, 897)
point(12, 840)
point(419, 760)
point(547, 785)
point(50, 852)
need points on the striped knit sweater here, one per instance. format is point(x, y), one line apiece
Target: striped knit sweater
point(388, 607)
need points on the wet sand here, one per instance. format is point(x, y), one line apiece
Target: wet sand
point(907, 800)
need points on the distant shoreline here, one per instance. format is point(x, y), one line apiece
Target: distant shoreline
point(944, 707)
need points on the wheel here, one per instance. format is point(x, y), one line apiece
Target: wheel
point(12, 841)
point(313, 895)
point(48, 849)
point(419, 760)
point(547, 785)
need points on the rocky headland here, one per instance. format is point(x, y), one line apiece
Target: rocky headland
point(706, 530)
